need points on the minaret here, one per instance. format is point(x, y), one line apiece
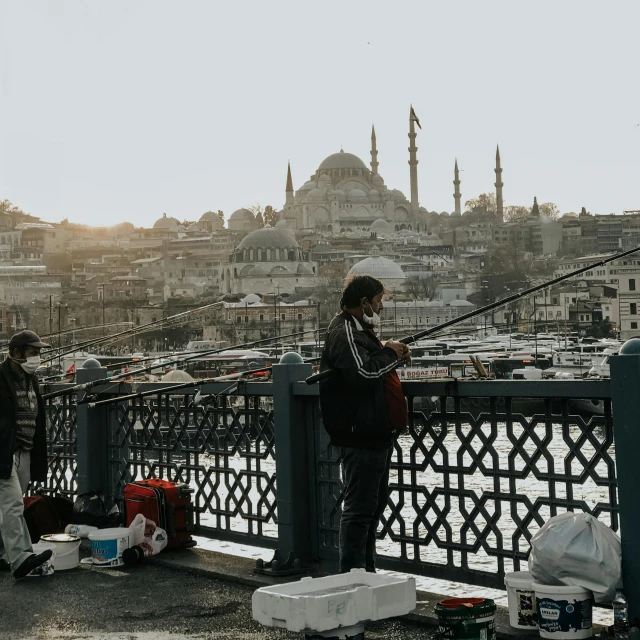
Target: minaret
point(413, 161)
point(498, 186)
point(289, 189)
point(456, 184)
point(535, 210)
point(374, 152)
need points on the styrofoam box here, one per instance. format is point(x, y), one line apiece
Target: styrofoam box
point(343, 600)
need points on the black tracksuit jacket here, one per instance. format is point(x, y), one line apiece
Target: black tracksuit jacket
point(352, 401)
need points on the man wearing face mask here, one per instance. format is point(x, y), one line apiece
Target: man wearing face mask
point(23, 450)
point(363, 409)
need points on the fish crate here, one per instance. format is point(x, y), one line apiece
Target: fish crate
point(343, 600)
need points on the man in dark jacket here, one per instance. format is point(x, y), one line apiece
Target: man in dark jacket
point(363, 408)
point(23, 450)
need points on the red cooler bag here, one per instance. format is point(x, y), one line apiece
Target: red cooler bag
point(168, 504)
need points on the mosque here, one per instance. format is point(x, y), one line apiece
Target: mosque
point(267, 260)
point(344, 195)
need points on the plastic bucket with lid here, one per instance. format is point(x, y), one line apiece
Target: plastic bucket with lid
point(563, 612)
point(66, 550)
point(467, 618)
point(522, 600)
point(107, 546)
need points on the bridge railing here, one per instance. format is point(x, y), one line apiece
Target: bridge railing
point(483, 465)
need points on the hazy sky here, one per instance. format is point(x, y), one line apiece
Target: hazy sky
point(113, 111)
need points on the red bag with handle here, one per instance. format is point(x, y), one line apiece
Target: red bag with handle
point(168, 504)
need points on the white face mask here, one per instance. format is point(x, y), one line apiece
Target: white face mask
point(372, 320)
point(31, 364)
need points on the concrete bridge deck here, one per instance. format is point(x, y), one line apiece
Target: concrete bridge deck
point(196, 594)
point(182, 596)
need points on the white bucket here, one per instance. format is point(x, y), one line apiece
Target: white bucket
point(107, 546)
point(522, 600)
point(39, 547)
point(563, 612)
point(66, 550)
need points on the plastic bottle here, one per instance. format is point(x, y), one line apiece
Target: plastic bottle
point(620, 616)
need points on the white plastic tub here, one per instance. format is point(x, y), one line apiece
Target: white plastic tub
point(66, 550)
point(344, 600)
point(564, 612)
point(522, 600)
point(107, 546)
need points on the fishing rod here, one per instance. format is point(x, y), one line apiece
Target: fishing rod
point(323, 375)
point(160, 364)
point(134, 330)
point(62, 333)
point(184, 385)
point(109, 379)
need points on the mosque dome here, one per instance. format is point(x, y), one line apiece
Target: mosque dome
point(171, 224)
point(398, 194)
point(380, 225)
point(307, 186)
point(251, 298)
point(316, 193)
point(378, 267)
point(260, 270)
point(269, 238)
point(281, 224)
point(378, 180)
point(324, 179)
point(242, 214)
point(374, 193)
point(304, 270)
point(209, 215)
point(357, 193)
point(341, 160)
point(177, 375)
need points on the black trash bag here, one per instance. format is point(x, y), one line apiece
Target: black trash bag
point(91, 509)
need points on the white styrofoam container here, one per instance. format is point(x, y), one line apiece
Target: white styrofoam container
point(343, 600)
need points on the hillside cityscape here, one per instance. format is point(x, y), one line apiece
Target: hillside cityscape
point(280, 268)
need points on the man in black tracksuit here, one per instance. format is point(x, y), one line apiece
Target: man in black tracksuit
point(363, 408)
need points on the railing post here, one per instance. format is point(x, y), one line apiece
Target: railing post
point(92, 439)
point(625, 384)
point(292, 470)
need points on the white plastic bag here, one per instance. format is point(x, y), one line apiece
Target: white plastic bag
point(144, 533)
point(576, 549)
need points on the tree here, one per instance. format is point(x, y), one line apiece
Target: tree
point(549, 210)
point(412, 286)
point(602, 329)
point(266, 216)
point(6, 206)
point(509, 258)
point(515, 212)
point(484, 203)
point(270, 215)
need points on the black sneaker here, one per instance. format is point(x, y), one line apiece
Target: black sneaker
point(31, 563)
point(4, 565)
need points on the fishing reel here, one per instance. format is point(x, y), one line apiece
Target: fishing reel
point(200, 400)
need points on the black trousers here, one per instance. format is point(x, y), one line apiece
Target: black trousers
point(365, 474)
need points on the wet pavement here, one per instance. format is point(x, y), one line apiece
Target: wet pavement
point(145, 602)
